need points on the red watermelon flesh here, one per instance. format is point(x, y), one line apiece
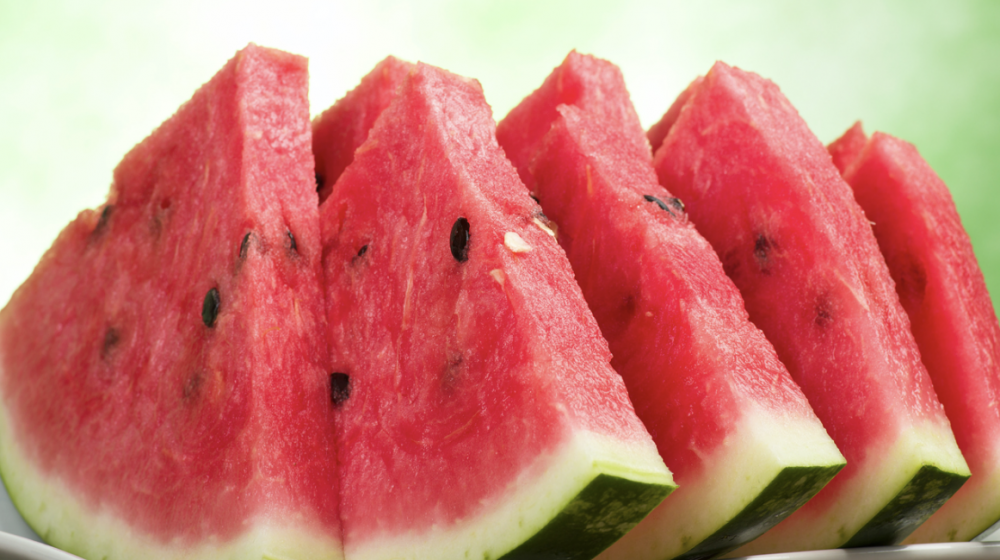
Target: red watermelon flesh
point(580, 81)
point(761, 188)
point(846, 149)
point(344, 126)
point(943, 292)
point(704, 381)
point(659, 131)
point(479, 416)
point(163, 377)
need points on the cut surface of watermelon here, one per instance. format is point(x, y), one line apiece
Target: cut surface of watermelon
point(738, 434)
point(845, 150)
point(479, 417)
point(345, 125)
point(163, 377)
point(943, 292)
point(761, 188)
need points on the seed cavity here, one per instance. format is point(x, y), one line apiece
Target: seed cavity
point(452, 374)
point(763, 247)
point(192, 386)
point(111, 339)
point(660, 203)
point(340, 388)
point(210, 307)
point(319, 182)
point(823, 310)
point(515, 243)
point(460, 237)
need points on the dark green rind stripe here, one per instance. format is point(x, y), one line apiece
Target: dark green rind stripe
point(922, 496)
point(789, 491)
point(598, 516)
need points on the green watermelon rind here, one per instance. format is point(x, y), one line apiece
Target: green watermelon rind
point(48, 506)
point(929, 488)
point(770, 466)
point(951, 514)
point(876, 493)
point(579, 487)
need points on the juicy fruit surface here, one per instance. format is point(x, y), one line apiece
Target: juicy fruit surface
point(456, 318)
point(188, 423)
point(342, 128)
point(694, 365)
point(943, 292)
point(845, 150)
point(762, 190)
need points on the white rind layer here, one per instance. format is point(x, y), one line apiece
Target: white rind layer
point(884, 474)
point(50, 508)
point(967, 514)
point(735, 473)
point(541, 492)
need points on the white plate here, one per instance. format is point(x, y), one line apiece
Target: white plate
point(956, 551)
point(13, 547)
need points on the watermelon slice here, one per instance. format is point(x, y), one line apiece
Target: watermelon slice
point(738, 434)
point(163, 382)
point(943, 292)
point(344, 126)
point(478, 416)
point(761, 188)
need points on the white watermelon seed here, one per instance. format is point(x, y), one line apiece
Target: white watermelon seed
point(514, 242)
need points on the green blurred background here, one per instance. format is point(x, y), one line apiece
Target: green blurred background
point(82, 82)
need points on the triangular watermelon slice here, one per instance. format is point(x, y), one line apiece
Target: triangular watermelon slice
point(763, 191)
point(478, 415)
point(738, 434)
point(163, 376)
point(943, 292)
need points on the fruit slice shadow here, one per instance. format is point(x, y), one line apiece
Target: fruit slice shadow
point(725, 414)
point(482, 417)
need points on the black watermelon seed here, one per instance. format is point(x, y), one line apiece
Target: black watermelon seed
point(761, 247)
point(460, 240)
point(340, 387)
point(291, 238)
point(102, 222)
point(210, 307)
point(244, 246)
point(660, 203)
point(676, 203)
point(363, 250)
point(319, 182)
point(111, 338)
